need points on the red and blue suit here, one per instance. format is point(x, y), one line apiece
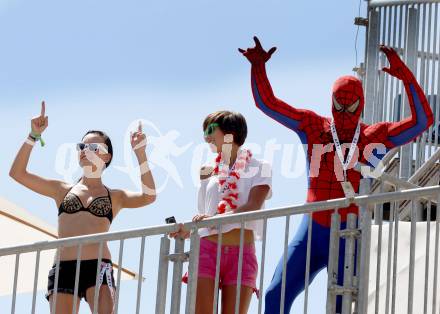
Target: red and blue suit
point(324, 167)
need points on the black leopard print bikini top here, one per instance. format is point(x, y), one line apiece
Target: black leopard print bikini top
point(100, 206)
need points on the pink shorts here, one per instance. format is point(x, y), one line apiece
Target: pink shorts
point(228, 263)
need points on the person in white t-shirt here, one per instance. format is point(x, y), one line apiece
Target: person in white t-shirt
point(235, 183)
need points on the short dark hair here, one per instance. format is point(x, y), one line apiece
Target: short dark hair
point(229, 123)
point(107, 142)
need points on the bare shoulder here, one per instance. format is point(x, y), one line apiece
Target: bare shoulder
point(116, 193)
point(206, 172)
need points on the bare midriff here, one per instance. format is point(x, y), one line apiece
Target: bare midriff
point(233, 237)
point(79, 224)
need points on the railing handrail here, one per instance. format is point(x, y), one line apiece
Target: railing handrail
point(214, 221)
point(384, 3)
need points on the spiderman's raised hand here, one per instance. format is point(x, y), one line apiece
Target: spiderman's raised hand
point(397, 67)
point(257, 54)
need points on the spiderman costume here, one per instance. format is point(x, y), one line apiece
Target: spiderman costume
point(326, 170)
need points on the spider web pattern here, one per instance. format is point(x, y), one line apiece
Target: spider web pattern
point(325, 168)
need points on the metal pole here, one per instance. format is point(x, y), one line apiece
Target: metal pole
point(34, 291)
point(141, 269)
point(176, 290)
point(412, 255)
point(307, 276)
point(283, 281)
point(193, 269)
point(333, 259)
point(406, 159)
point(55, 288)
point(162, 276)
point(118, 280)
point(364, 270)
point(371, 65)
point(379, 220)
point(77, 272)
point(396, 245)
point(240, 270)
point(263, 260)
point(350, 246)
point(14, 289)
point(217, 269)
point(436, 256)
point(98, 271)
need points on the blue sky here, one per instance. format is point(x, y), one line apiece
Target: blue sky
point(104, 64)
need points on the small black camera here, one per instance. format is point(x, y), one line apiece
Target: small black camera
point(170, 220)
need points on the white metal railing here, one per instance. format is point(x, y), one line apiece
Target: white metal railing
point(411, 27)
point(354, 291)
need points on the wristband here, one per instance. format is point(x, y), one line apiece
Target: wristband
point(30, 142)
point(37, 137)
point(144, 168)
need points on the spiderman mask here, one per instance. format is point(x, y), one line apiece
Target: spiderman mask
point(347, 102)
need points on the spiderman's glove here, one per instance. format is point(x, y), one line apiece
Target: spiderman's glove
point(257, 54)
point(397, 67)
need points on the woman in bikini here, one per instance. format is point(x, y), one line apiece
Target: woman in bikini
point(235, 183)
point(85, 207)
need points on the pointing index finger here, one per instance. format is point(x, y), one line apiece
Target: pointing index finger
point(43, 108)
point(140, 127)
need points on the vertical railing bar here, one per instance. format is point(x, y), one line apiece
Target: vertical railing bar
point(263, 260)
point(396, 242)
point(384, 110)
point(55, 288)
point(98, 273)
point(437, 103)
point(372, 63)
point(424, 73)
point(141, 269)
point(358, 266)
point(430, 66)
point(333, 262)
point(412, 256)
point(217, 269)
point(406, 158)
point(379, 252)
point(34, 290)
point(399, 82)
point(240, 269)
point(307, 274)
point(428, 235)
point(365, 247)
point(380, 103)
point(347, 298)
point(390, 248)
point(422, 52)
point(176, 290)
point(283, 282)
point(393, 80)
point(162, 276)
point(14, 289)
point(191, 292)
point(118, 280)
point(437, 233)
point(434, 46)
point(77, 273)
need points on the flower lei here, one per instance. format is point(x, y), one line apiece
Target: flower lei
point(228, 179)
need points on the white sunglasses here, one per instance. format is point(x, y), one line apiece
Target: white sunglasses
point(93, 147)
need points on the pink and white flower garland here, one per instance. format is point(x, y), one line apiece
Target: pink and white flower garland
point(228, 179)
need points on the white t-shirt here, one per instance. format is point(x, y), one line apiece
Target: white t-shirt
point(256, 173)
